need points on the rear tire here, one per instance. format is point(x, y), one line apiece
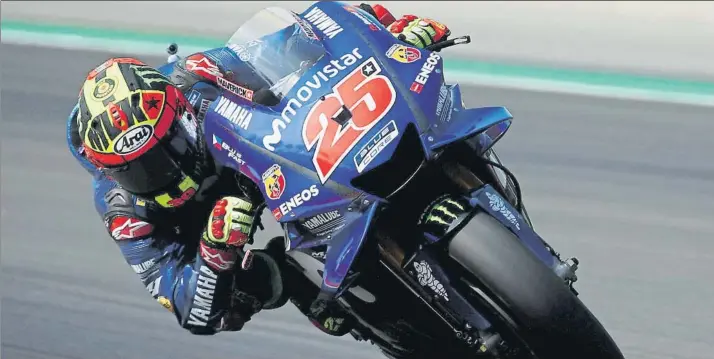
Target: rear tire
point(547, 316)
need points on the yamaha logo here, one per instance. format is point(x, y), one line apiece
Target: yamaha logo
point(133, 140)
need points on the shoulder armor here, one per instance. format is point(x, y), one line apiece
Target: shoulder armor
point(119, 199)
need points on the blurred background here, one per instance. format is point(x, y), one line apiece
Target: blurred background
point(623, 183)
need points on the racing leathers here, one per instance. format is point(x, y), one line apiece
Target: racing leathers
point(205, 287)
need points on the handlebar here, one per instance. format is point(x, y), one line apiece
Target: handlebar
point(448, 43)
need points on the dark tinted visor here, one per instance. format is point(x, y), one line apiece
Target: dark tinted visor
point(162, 166)
point(151, 172)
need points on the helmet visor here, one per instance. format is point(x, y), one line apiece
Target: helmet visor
point(151, 172)
point(164, 164)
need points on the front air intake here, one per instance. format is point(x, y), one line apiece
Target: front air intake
point(386, 178)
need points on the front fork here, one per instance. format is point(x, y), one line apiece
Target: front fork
point(425, 274)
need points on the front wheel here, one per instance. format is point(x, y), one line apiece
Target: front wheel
point(531, 306)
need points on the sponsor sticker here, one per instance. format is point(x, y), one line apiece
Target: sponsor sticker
point(274, 182)
point(305, 27)
point(149, 75)
point(443, 105)
point(241, 51)
point(427, 279)
point(369, 96)
point(203, 298)
point(133, 139)
point(235, 89)
point(298, 200)
point(321, 219)
point(278, 215)
point(104, 88)
point(324, 223)
point(202, 66)
point(142, 268)
point(329, 27)
point(376, 144)
point(305, 93)
point(123, 227)
point(236, 114)
point(426, 69)
point(220, 145)
point(498, 205)
point(203, 109)
point(193, 97)
point(404, 54)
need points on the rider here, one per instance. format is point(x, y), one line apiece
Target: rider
point(139, 134)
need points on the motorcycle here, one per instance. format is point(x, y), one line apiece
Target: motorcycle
point(393, 203)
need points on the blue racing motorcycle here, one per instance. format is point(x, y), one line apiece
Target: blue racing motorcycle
point(392, 200)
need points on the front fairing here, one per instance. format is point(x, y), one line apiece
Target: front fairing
point(302, 152)
point(336, 152)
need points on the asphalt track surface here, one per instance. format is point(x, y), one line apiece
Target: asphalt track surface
point(625, 186)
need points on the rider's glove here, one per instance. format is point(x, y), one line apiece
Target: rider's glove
point(419, 32)
point(230, 227)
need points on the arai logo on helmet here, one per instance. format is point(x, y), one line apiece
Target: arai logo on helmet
point(133, 140)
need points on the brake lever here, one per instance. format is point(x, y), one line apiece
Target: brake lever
point(448, 43)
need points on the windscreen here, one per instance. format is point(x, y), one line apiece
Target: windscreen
point(278, 46)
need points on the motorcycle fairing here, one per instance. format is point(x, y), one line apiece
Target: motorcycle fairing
point(301, 193)
point(426, 271)
point(487, 199)
point(457, 124)
point(344, 248)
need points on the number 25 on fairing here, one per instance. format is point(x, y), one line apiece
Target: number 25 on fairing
point(367, 95)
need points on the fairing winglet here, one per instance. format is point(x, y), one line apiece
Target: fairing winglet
point(465, 123)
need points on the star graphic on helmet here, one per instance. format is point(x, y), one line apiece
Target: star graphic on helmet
point(152, 103)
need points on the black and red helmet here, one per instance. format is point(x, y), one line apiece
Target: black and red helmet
point(139, 129)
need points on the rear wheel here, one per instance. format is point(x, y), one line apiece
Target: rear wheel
point(530, 305)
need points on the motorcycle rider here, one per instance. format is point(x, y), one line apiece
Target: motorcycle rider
point(179, 218)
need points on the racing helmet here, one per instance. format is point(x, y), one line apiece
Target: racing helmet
point(139, 130)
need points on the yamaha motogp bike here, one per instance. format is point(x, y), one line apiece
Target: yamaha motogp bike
point(393, 202)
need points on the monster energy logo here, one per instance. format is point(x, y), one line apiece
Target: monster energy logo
point(444, 212)
point(149, 75)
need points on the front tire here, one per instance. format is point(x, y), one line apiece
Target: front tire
point(533, 301)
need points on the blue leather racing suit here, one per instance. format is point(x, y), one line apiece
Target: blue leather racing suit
point(162, 245)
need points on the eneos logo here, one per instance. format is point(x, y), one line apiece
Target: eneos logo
point(274, 182)
point(404, 54)
point(133, 140)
